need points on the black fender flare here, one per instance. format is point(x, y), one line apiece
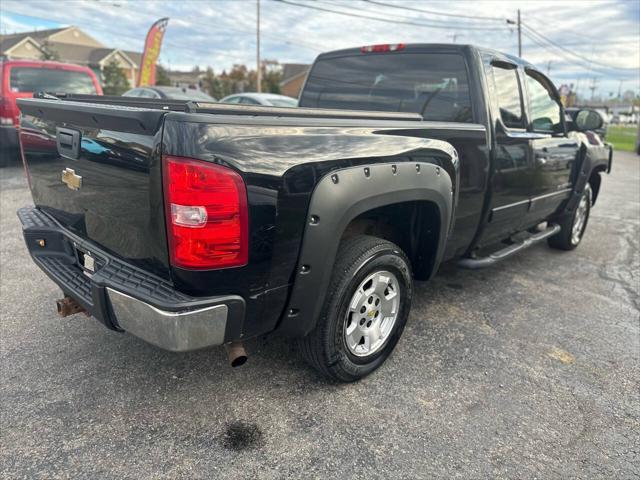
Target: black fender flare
point(341, 196)
point(590, 160)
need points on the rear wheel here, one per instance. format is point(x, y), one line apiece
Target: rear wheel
point(366, 309)
point(573, 225)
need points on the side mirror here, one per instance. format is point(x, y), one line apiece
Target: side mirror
point(587, 119)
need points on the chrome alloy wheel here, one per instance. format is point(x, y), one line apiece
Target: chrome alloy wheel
point(372, 313)
point(580, 219)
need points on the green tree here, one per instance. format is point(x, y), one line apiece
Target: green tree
point(239, 79)
point(271, 76)
point(214, 85)
point(162, 76)
point(47, 52)
point(114, 81)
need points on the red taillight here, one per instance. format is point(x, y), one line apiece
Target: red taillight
point(207, 218)
point(385, 47)
point(8, 111)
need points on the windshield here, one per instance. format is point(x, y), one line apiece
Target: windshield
point(283, 102)
point(53, 80)
point(433, 85)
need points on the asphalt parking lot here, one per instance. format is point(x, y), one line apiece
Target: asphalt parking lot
point(529, 369)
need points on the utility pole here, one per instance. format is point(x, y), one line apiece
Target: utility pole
point(620, 90)
point(519, 24)
point(548, 68)
point(519, 36)
point(592, 87)
point(258, 68)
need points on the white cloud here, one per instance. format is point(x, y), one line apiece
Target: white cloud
point(222, 32)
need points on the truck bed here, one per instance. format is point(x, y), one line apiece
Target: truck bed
point(229, 109)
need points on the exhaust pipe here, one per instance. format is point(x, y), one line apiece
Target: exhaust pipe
point(68, 306)
point(236, 353)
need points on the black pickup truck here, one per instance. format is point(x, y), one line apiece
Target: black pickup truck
point(193, 224)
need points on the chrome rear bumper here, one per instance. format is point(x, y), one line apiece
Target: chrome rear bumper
point(125, 297)
point(176, 331)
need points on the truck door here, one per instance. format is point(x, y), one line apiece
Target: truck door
point(554, 152)
point(512, 160)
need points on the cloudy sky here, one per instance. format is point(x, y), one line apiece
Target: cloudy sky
point(576, 41)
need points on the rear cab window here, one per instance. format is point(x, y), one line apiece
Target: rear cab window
point(434, 85)
point(52, 80)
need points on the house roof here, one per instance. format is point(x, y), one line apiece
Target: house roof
point(81, 54)
point(136, 57)
point(70, 53)
point(293, 70)
point(9, 41)
point(85, 55)
point(38, 35)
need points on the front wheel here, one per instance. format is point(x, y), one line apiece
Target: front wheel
point(573, 226)
point(366, 308)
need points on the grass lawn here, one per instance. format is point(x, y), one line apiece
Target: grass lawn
point(622, 137)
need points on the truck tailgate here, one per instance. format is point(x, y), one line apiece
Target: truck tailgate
point(96, 169)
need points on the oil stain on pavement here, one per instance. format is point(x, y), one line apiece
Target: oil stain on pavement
point(242, 436)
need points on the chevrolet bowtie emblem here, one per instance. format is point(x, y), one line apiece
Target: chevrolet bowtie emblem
point(73, 181)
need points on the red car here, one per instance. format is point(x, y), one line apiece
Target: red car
point(21, 78)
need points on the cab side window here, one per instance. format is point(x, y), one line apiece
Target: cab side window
point(507, 91)
point(544, 109)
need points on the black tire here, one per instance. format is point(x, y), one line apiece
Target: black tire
point(565, 240)
point(325, 348)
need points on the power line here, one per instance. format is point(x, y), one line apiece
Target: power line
point(571, 52)
point(562, 27)
point(431, 23)
point(200, 48)
point(369, 17)
point(432, 12)
point(571, 60)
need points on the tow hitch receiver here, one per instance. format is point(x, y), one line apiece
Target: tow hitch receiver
point(68, 306)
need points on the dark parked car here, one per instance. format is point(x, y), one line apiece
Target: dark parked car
point(21, 78)
point(238, 221)
point(169, 93)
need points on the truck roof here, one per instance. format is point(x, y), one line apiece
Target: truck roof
point(426, 48)
point(44, 64)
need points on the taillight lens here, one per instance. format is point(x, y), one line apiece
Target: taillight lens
point(8, 112)
point(207, 218)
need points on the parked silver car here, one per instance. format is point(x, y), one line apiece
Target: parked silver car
point(270, 99)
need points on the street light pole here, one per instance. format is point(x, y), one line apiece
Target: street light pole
point(258, 69)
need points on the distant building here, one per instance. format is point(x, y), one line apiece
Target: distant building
point(624, 114)
point(71, 45)
point(189, 79)
point(293, 78)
